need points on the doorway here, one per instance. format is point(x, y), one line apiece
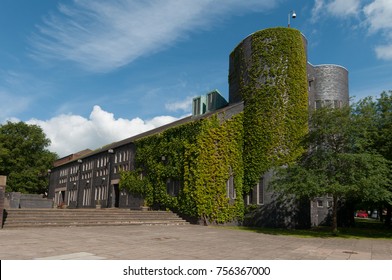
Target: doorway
point(116, 190)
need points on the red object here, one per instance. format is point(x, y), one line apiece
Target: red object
point(362, 214)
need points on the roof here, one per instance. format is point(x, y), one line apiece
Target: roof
point(154, 131)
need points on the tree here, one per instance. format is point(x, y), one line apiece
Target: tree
point(334, 164)
point(24, 158)
point(377, 117)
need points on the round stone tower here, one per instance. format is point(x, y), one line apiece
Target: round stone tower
point(328, 86)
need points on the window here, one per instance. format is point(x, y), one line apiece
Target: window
point(230, 188)
point(173, 187)
point(257, 194)
point(310, 84)
point(211, 103)
point(196, 106)
point(320, 203)
point(329, 203)
point(260, 191)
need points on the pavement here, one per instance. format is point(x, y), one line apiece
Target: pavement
point(179, 242)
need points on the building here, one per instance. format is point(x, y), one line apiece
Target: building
point(272, 87)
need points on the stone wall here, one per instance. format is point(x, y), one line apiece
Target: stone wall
point(19, 200)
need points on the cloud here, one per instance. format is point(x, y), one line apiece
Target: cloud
point(342, 8)
point(102, 36)
point(182, 105)
point(377, 15)
point(384, 52)
point(73, 133)
point(378, 19)
point(335, 8)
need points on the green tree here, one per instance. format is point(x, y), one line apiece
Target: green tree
point(334, 163)
point(24, 158)
point(376, 116)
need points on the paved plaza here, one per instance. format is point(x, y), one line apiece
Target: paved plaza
point(188, 242)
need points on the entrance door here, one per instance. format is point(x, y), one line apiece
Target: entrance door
point(116, 195)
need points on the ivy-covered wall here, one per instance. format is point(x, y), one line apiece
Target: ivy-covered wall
point(202, 155)
point(211, 161)
point(268, 71)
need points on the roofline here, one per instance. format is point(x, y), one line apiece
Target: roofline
point(328, 64)
point(151, 132)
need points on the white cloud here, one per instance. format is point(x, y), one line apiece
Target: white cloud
point(342, 8)
point(379, 15)
point(72, 133)
point(336, 8)
point(182, 105)
point(104, 35)
point(384, 52)
point(378, 19)
point(317, 9)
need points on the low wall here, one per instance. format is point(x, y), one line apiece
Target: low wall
point(20, 200)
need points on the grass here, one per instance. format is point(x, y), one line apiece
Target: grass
point(364, 228)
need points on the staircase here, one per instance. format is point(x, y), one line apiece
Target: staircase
point(20, 218)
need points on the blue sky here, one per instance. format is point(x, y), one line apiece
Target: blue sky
point(91, 72)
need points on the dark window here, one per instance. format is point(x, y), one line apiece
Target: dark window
point(173, 187)
point(260, 194)
point(196, 106)
point(319, 203)
point(230, 188)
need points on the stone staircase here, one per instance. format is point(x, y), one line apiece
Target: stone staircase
point(20, 218)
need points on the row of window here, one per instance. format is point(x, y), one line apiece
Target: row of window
point(255, 197)
point(63, 172)
point(328, 103)
point(101, 192)
point(72, 195)
point(87, 166)
point(87, 175)
point(74, 170)
point(101, 162)
point(122, 167)
point(320, 203)
point(122, 156)
point(86, 197)
point(73, 178)
point(102, 172)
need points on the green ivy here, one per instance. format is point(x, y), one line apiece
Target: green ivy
point(137, 185)
point(204, 154)
point(273, 85)
point(211, 161)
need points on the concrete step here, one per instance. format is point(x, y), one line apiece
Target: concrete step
point(87, 217)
